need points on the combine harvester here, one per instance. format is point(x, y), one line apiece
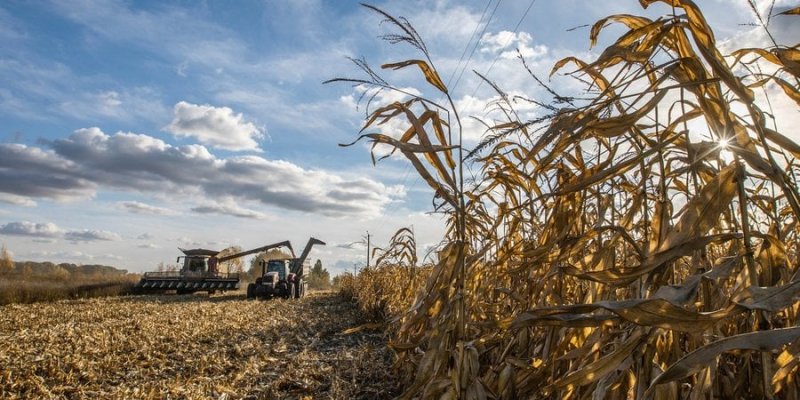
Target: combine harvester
point(200, 272)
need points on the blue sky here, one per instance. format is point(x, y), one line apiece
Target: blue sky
point(129, 129)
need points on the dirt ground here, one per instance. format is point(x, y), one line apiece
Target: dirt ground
point(192, 346)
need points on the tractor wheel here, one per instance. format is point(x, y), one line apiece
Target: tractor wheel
point(251, 290)
point(289, 293)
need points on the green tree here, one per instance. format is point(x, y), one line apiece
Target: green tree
point(6, 263)
point(319, 277)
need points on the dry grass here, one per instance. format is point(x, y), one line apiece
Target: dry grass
point(191, 347)
point(31, 290)
point(609, 249)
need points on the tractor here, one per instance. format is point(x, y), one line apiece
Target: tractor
point(282, 277)
point(199, 273)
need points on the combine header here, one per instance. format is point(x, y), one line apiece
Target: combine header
point(200, 272)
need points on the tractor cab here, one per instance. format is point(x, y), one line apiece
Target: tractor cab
point(279, 268)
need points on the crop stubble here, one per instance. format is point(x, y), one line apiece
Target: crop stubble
point(190, 347)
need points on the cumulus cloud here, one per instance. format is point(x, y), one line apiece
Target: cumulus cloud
point(145, 236)
point(16, 200)
point(507, 43)
point(148, 246)
point(142, 208)
point(91, 235)
point(218, 127)
point(473, 130)
point(47, 232)
point(25, 228)
point(69, 255)
point(88, 159)
point(229, 207)
point(32, 172)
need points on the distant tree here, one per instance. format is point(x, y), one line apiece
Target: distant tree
point(59, 273)
point(6, 263)
point(160, 267)
point(235, 265)
point(27, 269)
point(319, 277)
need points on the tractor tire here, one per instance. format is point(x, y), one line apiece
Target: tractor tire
point(251, 290)
point(290, 292)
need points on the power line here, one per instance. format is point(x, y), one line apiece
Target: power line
point(516, 28)
point(466, 47)
point(475, 46)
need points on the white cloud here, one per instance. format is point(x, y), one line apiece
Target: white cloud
point(182, 68)
point(507, 43)
point(148, 246)
point(228, 206)
point(145, 236)
point(487, 110)
point(218, 127)
point(141, 163)
point(30, 172)
point(25, 228)
point(12, 199)
point(58, 256)
point(133, 104)
point(48, 232)
point(137, 207)
point(91, 235)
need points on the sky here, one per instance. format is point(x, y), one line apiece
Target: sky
point(129, 129)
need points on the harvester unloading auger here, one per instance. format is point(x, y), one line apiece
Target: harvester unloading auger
point(200, 272)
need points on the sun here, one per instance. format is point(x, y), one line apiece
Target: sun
point(723, 143)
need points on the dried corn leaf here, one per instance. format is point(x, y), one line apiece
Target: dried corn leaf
point(704, 356)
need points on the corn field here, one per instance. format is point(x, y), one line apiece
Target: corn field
point(637, 242)
point(191, 347)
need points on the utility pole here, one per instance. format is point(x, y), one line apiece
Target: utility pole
point(367, 249)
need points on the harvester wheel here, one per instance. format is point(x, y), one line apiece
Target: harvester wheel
point(251, 290)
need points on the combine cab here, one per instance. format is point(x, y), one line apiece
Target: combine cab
point(199, 273)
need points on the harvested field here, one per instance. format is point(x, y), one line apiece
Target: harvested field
point(191, 347)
